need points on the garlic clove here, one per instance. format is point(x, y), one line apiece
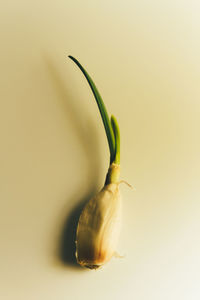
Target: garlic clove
point(99, 228)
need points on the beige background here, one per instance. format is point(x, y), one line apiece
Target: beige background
point(144, 57)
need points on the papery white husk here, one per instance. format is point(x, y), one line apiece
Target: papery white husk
point(99, 228)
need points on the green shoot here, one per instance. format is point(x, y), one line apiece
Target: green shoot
point(111, 127)
point(116, 130)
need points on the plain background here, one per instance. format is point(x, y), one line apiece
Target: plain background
point(144, 58)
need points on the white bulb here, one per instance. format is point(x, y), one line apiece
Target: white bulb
point(99, 228)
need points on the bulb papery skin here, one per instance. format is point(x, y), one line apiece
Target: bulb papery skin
point(99, 228)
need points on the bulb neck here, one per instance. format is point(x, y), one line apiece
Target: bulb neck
point(113, 174)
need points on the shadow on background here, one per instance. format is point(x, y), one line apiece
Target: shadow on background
point(67, 245)
point(89, 143)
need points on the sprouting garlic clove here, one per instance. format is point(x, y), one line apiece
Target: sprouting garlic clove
point(99, 228)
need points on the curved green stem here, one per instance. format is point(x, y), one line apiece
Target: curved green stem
point(102, 109)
